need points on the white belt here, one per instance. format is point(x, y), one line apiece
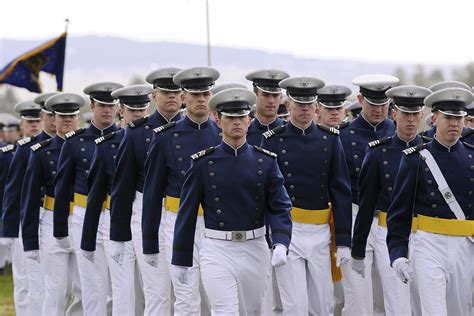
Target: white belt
point(237, 235)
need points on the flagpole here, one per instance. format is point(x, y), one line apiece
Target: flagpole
point(66, 22)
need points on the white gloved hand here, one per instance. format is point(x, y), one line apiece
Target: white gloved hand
point(181, 274)
point(89, 255)
point(63, 242)
point(117, 250)
point(33, 255)
point(358, 265)
point(7, 242)
point(403, 269)
point(343, 255)
point(152, 259)
point(279, 255)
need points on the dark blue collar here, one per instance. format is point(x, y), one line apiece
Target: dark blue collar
point(413, 142)
point(58, 140)
point(95, 130)
point(196, 125)
point(158, 119)
point(266, 127)
point(296, 130)
point(361, 121)
point(234, 151)
point(440, 147)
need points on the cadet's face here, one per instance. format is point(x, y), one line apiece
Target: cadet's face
point(197, 104)
point(373, 113)
point(48, 123)
point(267, 103)
point(330, 116)
point(302, 113)
point(448, 127)
point(407, 123)
point(234, 127)
point(12, 136)
point(66, 123)
point(31, 128)
point(469, 122)
point(167, 101)
point(104, 114)
point(130, 115)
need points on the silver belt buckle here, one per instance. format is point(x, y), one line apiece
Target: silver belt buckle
point(239, 235)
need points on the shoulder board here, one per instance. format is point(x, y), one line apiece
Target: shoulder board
point(468, 145)
point(378, 142)
point(414, 149)
point(137, 122)
point(267, 152)
point(274, 131)
point(76, 132)
point(25, 140)
point(163, 128)
point(332, 130)
point(343, 125)
point(202, 153)
point(426, 139)
point(7, 148)
point(104, 138)
point(467, 133)
point(39, 145)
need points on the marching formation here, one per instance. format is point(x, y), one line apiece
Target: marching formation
point(230, 201)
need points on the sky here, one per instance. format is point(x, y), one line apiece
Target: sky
point(404, 31)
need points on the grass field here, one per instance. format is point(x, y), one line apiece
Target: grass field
point(6, 293)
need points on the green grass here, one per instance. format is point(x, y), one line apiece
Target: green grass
point(7, 307)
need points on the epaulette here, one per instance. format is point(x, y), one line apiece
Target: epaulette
point(25, 140)
point(426, 139)
point(274, 131)
point(39, 145)
point(378, 142)
point(7, 148)
point(163, 128)
point(332, 130)
point(414, 149)
point(102, 139)
point(76, 132)
point(467, 133)
point(267, 152)
point(468, 145)
point(343, 125)
point(137, 122)
point(202, 153)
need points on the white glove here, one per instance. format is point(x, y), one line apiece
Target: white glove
point(403, 269)
point(181, 274)
point(7, 242)
point(279, 255)
point(358, 265)
point(33, 255)
point(152, 259)
point(343, 255)
point(89, 255)
point(117, 250)
point(63, 242)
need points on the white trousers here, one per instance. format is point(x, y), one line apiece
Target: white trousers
point(62, 286)
point(156, 281)
point(444, 271)
point(188, 297)
point(234, 275)
point(28, 282)
point(305, 281)
point(94, 275)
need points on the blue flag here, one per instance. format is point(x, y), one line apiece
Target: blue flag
point(24, 70)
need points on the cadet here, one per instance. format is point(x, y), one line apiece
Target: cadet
point(134, 102)
point(73, 169)
point(435, 181)
point(61, 278)
point(27, 275)
point(11, 130)
point(331, 110)
point(234, 254)
point(168, 159)
point(378, 173)
point(354, 108)
point(470, 116)
point(282, 112)
point(127, 188)
point(307, 152)
point(265, 87)
point(370, 125)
